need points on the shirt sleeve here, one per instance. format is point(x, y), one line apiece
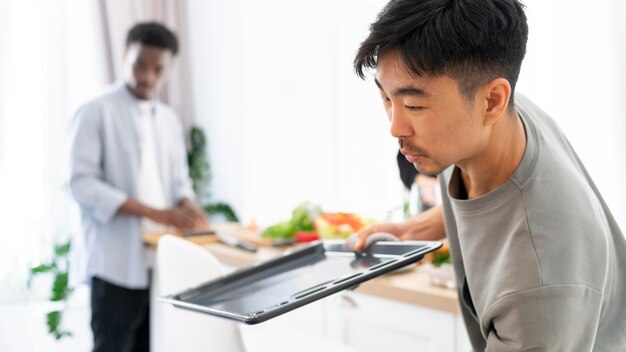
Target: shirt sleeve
point(87, 182)
point(549, 318)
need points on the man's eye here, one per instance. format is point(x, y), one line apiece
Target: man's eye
point(413, 108)
point(386, 100)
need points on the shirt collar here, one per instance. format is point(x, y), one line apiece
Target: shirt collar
point(139, 105)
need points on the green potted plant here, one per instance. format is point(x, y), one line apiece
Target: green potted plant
point(60, 290)
point(200, 173)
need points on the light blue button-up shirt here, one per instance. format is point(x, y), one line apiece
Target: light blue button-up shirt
point(104, 162)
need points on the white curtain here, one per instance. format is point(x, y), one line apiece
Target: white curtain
point(119, 16)
point(51, 60)
point(55, 55)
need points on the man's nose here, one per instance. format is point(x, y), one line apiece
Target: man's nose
point(148, 77)
point(151, 78)
point(400, 126)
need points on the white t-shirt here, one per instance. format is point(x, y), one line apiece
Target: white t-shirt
point(149, 186)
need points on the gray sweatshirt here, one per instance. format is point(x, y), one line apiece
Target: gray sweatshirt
point(540, 261)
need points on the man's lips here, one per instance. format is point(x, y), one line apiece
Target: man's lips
point(414, 158)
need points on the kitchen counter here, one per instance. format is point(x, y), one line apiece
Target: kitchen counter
point(411, 287)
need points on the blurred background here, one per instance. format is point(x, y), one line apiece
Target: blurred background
point(287, 120)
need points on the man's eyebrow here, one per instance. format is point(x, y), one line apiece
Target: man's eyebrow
point(378, 83)
point(409, 90)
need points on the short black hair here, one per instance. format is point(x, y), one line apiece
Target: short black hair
point(154, 34)
point(472, 41)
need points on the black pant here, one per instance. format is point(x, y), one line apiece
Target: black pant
point(120, 318)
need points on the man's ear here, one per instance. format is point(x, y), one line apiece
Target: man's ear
point(496, 94)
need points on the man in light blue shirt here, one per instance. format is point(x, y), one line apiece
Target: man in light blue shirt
point(129, 176)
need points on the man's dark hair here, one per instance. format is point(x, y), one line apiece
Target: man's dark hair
point(154, 34)
point(472, 41)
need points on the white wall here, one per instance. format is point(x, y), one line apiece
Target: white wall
point(575, 69)
point(288, 120)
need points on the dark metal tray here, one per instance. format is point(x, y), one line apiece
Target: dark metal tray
point(274, 287)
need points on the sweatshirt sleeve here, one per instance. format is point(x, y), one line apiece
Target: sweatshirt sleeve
point(87, 182)
point(549, 318)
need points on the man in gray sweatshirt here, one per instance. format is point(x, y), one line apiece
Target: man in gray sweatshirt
point(539, 259)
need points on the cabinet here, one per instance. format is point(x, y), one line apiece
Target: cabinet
point(371, 323)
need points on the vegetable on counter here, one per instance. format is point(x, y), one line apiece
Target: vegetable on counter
point(302, 219)
point(306, 236)
point(440, 256)
point(338, 225)
point(311, 223)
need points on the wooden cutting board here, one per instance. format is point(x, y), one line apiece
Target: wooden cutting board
point(252, 237)
point(152, 239)
point(241, 232)
point(230, 228)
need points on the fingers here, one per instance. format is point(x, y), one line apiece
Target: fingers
point(362, 236)
point(199, 220)
point(201, 223)
point(199, 217)
point(182, 220)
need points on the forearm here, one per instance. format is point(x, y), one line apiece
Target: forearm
point(427, 226)
point(136, 208)
point(186, 202)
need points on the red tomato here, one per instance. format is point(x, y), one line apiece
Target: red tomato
point(338, 219)
point(306, 236)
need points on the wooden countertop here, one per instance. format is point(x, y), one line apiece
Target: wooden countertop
point(412, 286)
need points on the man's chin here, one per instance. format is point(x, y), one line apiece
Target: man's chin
point(144, 94)
point(429, 170)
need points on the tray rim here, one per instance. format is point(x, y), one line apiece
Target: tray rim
point(304, 297)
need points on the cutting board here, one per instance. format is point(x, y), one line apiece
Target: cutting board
point(152, 239)
point(229, 228)
point(241, 232)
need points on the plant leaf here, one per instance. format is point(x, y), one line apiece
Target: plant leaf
point(53, 319)
point(59, 287)
point(42, 268)
point(62, 249)
point(221, 208)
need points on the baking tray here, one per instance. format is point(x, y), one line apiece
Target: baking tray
point(277, 286)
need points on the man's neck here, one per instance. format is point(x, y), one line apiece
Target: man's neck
point(132, 92)
point(497, 162)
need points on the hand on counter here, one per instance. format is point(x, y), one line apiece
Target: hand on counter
point(428, 226)
point(175, 217)
point(186, 216)
point(193, 210)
